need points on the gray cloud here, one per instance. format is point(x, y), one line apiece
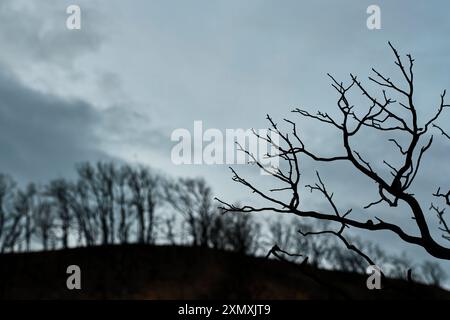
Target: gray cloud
point(36, 32)
point(42, 135)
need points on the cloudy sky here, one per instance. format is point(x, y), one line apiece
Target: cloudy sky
point(136, 71)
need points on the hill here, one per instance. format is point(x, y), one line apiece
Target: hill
point(170, 272)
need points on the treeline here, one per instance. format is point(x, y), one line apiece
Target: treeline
point(109, 204)
point(327, 252)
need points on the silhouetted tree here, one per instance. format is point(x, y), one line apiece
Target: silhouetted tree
point(98, 184)
point(145, 192)
point(318, 249)
point(193, 199)
point(136, 182)
point(153, 199)
point(83, 211)
point(219, 231)
point(282, 234)
point(24, 204)
point(44, 221)
point(433, 273)
point(9, 220)
point(106, 178)
point(238, 233)
point(123, 203)
point(243, 233)
point(58, 190)
point(408, 134)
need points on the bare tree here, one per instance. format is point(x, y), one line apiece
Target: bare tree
point(169, 229)
point(433, 273)
point(410, 136)
point(153, 199)
point(219, 231)
point(136, 184)
point(317, 249)
point(193, 199)
point(145, 192)
point(106, 178)
point(7, 186)
point(243, 233)
point(123, 203)
point(58, 191)
point(98, 186)
point(84, 213)
point(282, 234)
point(31, 200)
point(44, 221)
point(10, 220)
point(24, 205)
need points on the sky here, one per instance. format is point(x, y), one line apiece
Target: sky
point(136, 71)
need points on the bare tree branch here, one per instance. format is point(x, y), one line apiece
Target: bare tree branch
point(382, 115)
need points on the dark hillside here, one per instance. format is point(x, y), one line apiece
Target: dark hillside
point(163, 272)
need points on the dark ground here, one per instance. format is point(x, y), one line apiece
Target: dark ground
point(163, 272)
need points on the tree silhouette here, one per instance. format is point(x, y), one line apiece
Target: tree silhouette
point(238, 233)
point(193, 199)
point(409, 134)
point(432, 273)
point(58, 191)
point(125, 217)
point(24, 206)
point(83, 211)
point(9, 219)
point(145, 194)
point(44, 221)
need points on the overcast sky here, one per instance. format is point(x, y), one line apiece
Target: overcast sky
point(137, 70)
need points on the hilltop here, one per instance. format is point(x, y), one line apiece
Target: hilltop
point(174, 272)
